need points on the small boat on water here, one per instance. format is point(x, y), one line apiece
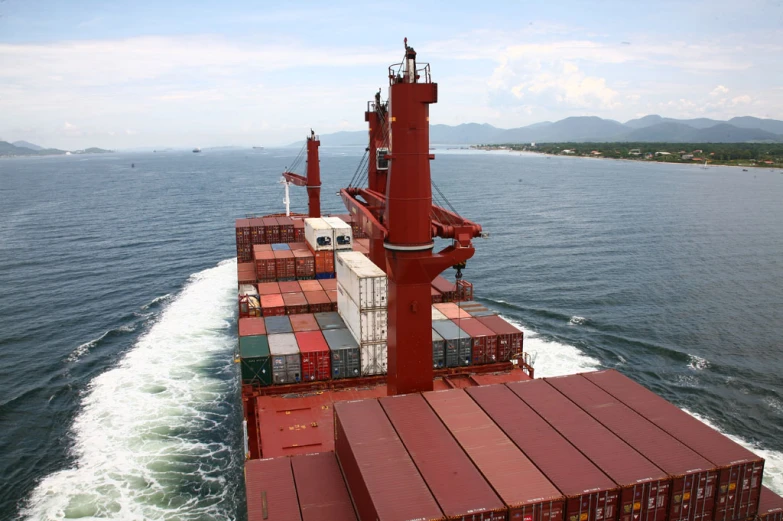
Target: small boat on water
point(196, 150)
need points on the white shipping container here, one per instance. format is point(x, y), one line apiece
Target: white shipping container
point(437, 315)
point(373, 358)
point(319, 234)
point(366, 326)
point(286, 362)
point(248, 289)
point(342, 233)
point(365, 283)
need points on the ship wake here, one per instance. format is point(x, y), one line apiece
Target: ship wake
point(155, 435)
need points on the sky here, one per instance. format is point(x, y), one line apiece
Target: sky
point(121, 74)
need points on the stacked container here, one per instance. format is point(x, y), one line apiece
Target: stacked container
point(246, 273)
point(244, 244)
point(299, 232)
point(361, 302)
point(509, 337)
point(286, 227)
point(257, 231)
point(272, 230)
point(285, 265)
point(254, 356)
point(447, 290)
point(484, 340)
point(286, 363)
point(457, 343)
point(314, 352)
point(343, 349)
point(342, 238)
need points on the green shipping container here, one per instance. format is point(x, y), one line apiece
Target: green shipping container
point(254, 353)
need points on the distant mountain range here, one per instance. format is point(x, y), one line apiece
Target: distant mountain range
point(24, 148)
point(594, 129)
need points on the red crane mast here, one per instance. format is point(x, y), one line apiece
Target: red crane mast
point(405, 218)
point(313, 179)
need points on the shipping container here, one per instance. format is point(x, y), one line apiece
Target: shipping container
point(286, 225)
point(290, 287)
point(260, 248)
point(364, 282)
point(529, 495)
point(246, 273)
point(268, 288)
point(459, 488)
point(278, 324)
point(435, 296)
point(328, 284)
point(332, 294)
point(590, 494)
point(272, 230)
point(770, 506)
point(286, 361)
point(693, 477)
point(310, 285)
point(305, 264)
point(251, 326)
point(298, 246)
point(451, 310)
point(249, 306)
point(342, 235)
point(280, 247)
point(382, 479)
point(272, 305)
point(457, 343)
point(285, 264)
point(484, 341)
point(299, 230)
point(373, 357)
point(510, 339)
point(295, 303)
point(739, 483)
point(248, 289)
point(448, 290)
point(325, 275)
point(346, 361)
point(305, 322)
point(437, 315)
point(318, 301)
point(254, 359)
point(315, 356)
point(318, 234)
point(438, 351)
point(321, 489)
point(331, 320)
point(367, 325)
point(270, 490)
point(266, 266)
point(645, 488)
point(257, 230)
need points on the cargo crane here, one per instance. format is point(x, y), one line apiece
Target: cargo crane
point(404, 218)
point(312, 181)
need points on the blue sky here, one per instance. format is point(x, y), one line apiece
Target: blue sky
point(174, 73)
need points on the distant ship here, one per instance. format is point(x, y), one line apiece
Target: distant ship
point(196, 150)
point(258, 148)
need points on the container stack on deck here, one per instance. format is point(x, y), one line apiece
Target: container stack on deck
point(556, 449)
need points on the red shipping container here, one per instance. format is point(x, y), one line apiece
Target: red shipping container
point(305, 264)
point(299, 234)
point(591, 496)
point(271, 493)
point(322, 493)
point(332, 294)
point(257, 232)
point(246, 273)
point(251, 326)
point(291, 286)
point(451, 310)
point(510, 339)
point(304, 322)
point(286, 265)
point(485, 341)
point(644, 494)
point(693, 477)
point(739, 483)
point(242, 227)
point(295, 246)
point(272, 230)
point(770, 506)
point(315, 356)
point(272, 305)
point(259, 248)
point(268, 288)
point(318, 301)
point(447, 289)
point(328, 284)
point(458, 487)
point(310, 285)
point(266, 266)
point(324, 260)
point(382, 479)
point(286, 226)
point(529, 495)
point(437, 298)
point(295, 303)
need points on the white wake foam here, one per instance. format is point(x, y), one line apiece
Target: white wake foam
point(697, 363)
point(552, 358)
point(135, 439)
point(773, 466)
point(577, 320)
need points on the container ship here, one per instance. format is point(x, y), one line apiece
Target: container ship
point(376, 389)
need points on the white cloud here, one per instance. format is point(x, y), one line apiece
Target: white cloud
point(719, 90)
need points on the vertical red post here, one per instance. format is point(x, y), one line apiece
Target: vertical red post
point(376, 117)
point(409, 241)
point(313, 176)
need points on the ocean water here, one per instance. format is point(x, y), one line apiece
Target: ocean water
point(118, 395)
